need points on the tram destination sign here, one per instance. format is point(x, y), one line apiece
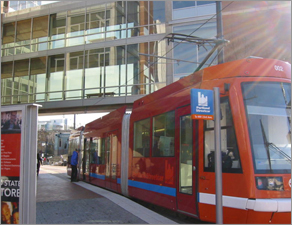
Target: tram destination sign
point(202, 104)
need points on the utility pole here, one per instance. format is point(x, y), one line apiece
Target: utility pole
point(218, 157)
point(214, 43)
point(74, 122)
point(219, 30)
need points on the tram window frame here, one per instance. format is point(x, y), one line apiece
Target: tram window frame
point(163, 137)
point(142, 138)
point(102, 152)
point(94, 151)
point(231, 162)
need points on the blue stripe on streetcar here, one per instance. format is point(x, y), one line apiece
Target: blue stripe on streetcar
point(152, 187)
point(145, 186)
point(102, 177)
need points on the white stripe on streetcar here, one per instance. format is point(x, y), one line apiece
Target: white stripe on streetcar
point(260, 205)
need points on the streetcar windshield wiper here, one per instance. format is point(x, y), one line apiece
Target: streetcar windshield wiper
point(270, 145)
point(266, 143)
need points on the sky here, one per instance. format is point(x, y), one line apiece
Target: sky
point(81, 119)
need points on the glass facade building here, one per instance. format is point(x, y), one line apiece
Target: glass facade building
point(99, 50)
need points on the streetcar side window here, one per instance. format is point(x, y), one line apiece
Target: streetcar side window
point(102, 151)
point(163, 135)
point(142, 138)
point(94, 152)
point(230, 154)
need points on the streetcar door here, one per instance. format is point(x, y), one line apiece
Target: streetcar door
point(186, 188)
point(85, 159)
point(111, 146)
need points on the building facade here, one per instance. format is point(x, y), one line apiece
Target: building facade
point(98, 55)
point(61, 143)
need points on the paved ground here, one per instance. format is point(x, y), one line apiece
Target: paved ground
point(61, 202)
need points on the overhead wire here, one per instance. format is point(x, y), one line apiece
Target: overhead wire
point(178, 43)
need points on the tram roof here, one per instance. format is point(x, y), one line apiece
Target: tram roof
point(249, 67)
point(111, 119)
point(76, 132)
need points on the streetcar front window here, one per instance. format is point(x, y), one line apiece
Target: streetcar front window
point(230, 155)
point(268, 107)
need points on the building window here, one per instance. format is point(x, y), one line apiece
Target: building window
point(56, 74)
point(111, 21)
point(156, 12)
point(94, 71)
point(95, 19)
point(74, 75)
point(76, 23)
point(190, 9)
point(40, 28)
point(115, 71)
point(183, 4)
point(21, 81)
point(38, 68)
point(23, 31)
point(190, 52)
point(205, 2)
point(8, 34)
point(57, 30)
point(40, 34)
point(6, 82)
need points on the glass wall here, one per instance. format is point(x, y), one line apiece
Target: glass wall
point(6, 82)
point(105, 22)
point(74, 75)
point(112, 71)
point(75, 27)
point(94, 71)
point(193, 54)
point(18, 5)
point(23, 35)
point(38, 79)
point(125, 65)
point(56, 67)
point(40, 33)
point(187, 9)
point(57, 30)
point(8, 39)
point(190, 52)
point(115, 71)
point(95, 23)
point(21, 81)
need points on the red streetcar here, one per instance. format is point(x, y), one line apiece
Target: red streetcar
point(159, 154)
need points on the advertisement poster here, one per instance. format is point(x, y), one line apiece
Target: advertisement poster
point(10, 166)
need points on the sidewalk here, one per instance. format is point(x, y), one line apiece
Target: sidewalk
point(61, 202)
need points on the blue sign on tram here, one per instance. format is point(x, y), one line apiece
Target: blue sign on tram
point(202, 104)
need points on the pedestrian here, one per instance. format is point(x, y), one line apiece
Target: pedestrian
point(74, 163)
point(39, 162)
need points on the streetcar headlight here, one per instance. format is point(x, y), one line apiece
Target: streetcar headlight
point(270, 183)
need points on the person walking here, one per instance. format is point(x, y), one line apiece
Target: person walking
point(74, 163)
point(39, 162)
